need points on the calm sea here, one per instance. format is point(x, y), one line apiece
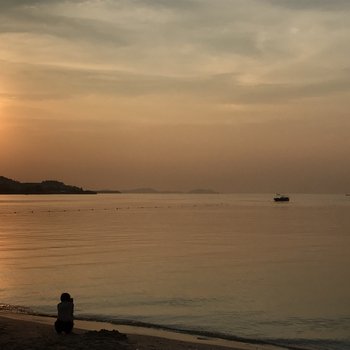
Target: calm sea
point(238, 265)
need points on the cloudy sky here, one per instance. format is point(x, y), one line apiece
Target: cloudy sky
point(234, 95)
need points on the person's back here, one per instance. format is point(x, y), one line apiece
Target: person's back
point(65, 309)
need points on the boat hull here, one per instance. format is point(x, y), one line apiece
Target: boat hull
point(281, 199)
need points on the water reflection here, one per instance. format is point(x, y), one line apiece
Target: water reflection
point(238, 264)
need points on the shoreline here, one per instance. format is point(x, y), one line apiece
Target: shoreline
point(138, 337)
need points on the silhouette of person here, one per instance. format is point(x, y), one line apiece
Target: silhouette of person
point(65, 309)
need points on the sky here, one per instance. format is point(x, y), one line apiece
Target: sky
point(232, 95)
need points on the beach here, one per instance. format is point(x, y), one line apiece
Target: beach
point(21, 331)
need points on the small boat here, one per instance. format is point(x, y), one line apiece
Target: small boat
point(281, 198)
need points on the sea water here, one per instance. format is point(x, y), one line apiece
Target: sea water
point(234, 265)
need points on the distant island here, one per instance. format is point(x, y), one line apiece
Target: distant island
point(203, 191)
point(146, 190)
point(9, 186)
point(108, 191)
point(154, 191)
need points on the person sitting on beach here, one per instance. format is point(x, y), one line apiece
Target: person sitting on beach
point(65, 309)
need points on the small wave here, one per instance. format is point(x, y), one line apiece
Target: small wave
point(135, 323)
point(16, 309)
point(291, 344)
point(171, 302)
point(312, 344)
point(164, 327)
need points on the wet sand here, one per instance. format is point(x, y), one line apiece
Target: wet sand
point(20, 331)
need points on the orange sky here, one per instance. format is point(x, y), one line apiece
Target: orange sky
point(236, 95)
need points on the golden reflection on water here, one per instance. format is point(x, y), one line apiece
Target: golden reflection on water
point(7, 260)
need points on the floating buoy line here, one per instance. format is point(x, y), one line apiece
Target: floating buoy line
point(32, 211)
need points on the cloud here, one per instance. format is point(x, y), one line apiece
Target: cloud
point(146, 24)
point(277, 93)
point(195, 48)
point(69, 28)
point(13, 4)
point(318, 5)
point(39, 82)
point(179, 4)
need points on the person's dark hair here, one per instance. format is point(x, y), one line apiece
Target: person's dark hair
point(65, 297)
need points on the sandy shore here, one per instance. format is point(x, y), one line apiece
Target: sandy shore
point(20, 331)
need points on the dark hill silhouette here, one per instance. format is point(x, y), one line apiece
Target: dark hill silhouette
point(203, 191)
point(9, 186)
